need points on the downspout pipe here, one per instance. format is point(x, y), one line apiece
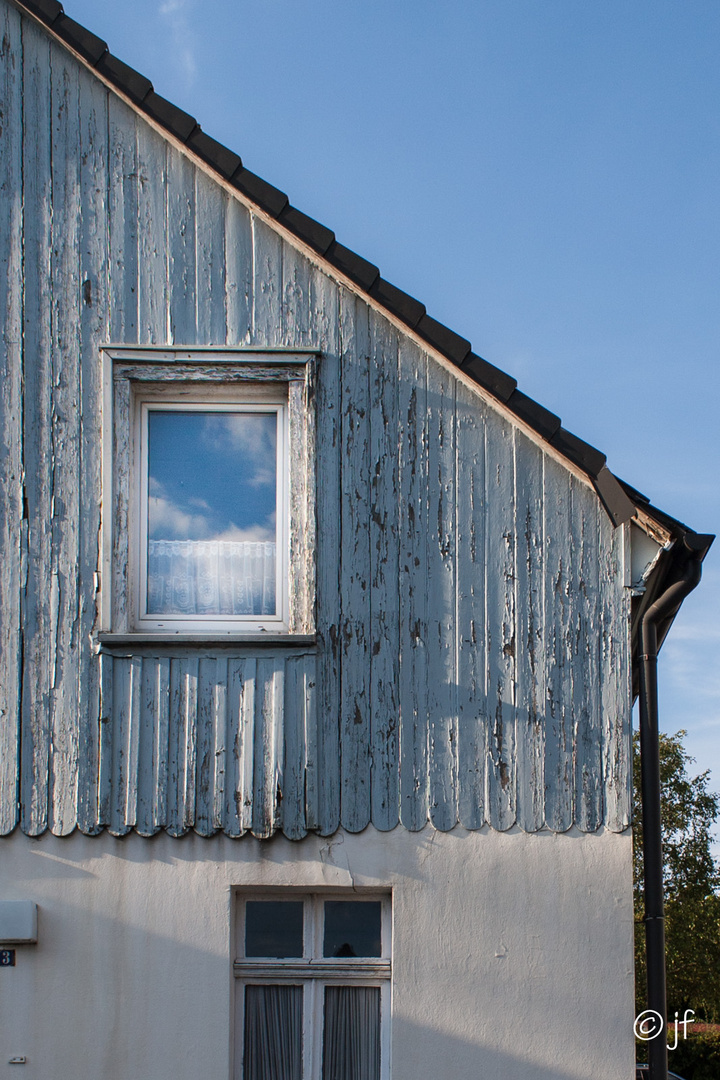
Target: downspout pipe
point(695, 548)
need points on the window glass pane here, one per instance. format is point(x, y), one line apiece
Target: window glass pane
point(274, 928)
point(273, 1033)
point(211, 512)
point(352, 928)
point(351, 1040)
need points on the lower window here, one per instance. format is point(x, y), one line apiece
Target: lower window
point(313, 988)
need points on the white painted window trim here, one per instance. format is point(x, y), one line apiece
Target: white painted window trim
point(314, 972)
point(275, 380)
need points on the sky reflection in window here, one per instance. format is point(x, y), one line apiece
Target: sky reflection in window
point(211, 512)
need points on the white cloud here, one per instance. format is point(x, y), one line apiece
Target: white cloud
point(169, 521)
point(176, 15)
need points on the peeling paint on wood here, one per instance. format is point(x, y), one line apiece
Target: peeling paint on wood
point(472, 626)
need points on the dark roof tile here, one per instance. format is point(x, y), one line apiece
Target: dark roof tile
point(489, 377)
point(265, 195)
point(88, 45)
point(180, 123)
point(539, 418)
point(306, 228)
point(47, 10)
point(225, 161)
point(357, 269)
point(398, 302)
point(135, 85)
point(456, 348)
point(583, 454)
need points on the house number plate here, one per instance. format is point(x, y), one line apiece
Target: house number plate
point(7, 958)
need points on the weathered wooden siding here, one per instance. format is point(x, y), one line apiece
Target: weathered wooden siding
point(471, 662)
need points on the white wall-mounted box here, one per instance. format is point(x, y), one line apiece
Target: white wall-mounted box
point(18, 922)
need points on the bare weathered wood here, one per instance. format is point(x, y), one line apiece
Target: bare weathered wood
point(240, 741)
point(238, 272)
point(181, 267)
point(559, 612)
point(209, 224)
point(153, 314)
point(442, 669)
point(501, 551)
point(413, 601)
point(94, 330)
point(472, 662)
point(126, 712)
point(531, 656)
point(182, 744)
point(123, 222)
point(384, 627)
point(323, 807)
point(38, 630)
point(153, 745)
point(587, 738)
point(615, 678)
point(295, 719)
point(355, 566)
point(267, 322)
point(269, 748)
point(11, 501)
point(106, 726)
point(211, 736)
point(296, 310)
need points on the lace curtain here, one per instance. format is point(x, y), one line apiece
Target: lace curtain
point(211, 577)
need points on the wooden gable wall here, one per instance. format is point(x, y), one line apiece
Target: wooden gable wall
point(472, 655)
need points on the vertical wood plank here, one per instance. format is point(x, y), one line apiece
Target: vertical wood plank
point(148, 738)
point(238, 272)
point(268, 285)
point(268, 770)
point(531, 660)
point(212, 726)
point(38, 633)
point(586, 696)
point(210, 205)
point(124, 219)
point(294, 726)
point(127, 698)
point(296, 314)
point(312, 780)
point(615, 678)
point(500, 546)
point(153, 317)
point(413, 612)
point(558, 615)
point(240, 740)
point(11, 409)
point(384, 574)
point(442, 599)
point(324, 810)
point(472, 664)
point(183, 745)
point(182, 297)
point(107, 727)
point(94, 329)
point(355, 566)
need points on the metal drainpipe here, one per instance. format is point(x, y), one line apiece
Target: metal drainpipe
point(667, 603)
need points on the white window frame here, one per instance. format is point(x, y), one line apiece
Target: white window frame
point(203, 379)
point(199, 399)
point(314, 972)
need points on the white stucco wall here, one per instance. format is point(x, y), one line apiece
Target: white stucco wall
point(512, 953)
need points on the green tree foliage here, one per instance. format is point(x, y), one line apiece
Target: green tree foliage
point(692, 884)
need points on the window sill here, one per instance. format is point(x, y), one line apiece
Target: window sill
point(214, 640)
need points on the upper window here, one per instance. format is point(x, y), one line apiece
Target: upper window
point(313, 988)
point(212, 523)
point(209, 460)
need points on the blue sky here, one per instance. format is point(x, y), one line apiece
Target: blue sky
point(542, 174)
